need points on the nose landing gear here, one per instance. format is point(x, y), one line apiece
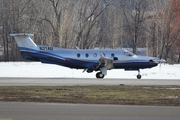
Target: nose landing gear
point(138, 76)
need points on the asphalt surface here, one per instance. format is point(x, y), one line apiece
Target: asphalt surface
point(53, 111)
point(82, 81)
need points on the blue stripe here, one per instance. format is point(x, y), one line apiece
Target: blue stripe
point(23, 49)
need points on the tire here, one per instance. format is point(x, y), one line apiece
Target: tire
point(138, 76)
point(99, 75)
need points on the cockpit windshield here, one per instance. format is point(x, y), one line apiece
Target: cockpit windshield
point(127, 53)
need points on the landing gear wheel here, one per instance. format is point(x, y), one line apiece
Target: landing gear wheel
point(138, 76)
point(99, 75)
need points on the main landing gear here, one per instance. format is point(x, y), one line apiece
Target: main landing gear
point(99, 75)
point(138, 76)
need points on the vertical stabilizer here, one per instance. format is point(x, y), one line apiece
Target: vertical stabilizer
point(23, 40)
point(26, 45)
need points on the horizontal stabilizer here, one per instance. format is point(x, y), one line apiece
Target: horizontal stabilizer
point(22, 34)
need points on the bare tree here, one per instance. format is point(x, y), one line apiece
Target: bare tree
point(87, 24)
point(135, 19)
point(164, 30)
point(93, 23)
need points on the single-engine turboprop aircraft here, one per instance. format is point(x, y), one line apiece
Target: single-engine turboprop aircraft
point(88, 59)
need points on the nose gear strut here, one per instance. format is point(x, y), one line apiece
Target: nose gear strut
point(139, 75)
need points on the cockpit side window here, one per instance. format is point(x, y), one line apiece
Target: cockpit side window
point(127, 53)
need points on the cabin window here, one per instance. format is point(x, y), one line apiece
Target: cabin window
point(112, 55)
point(78, 55)
point(87, 55)
point(95, 55)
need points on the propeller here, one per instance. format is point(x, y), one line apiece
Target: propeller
point(158, 61)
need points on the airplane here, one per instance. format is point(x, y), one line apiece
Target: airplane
point(90, 60)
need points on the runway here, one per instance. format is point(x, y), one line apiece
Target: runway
point(6, 81)
point(54, 111)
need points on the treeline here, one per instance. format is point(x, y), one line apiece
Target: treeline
point(151, 24)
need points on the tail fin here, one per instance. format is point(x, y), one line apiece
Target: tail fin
point(23, 40)
point(26, 45)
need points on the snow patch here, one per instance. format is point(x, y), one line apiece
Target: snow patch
point(37, 69)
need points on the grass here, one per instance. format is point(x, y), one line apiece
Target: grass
point(123, 95)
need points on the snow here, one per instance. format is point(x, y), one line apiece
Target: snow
point(37, 69)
